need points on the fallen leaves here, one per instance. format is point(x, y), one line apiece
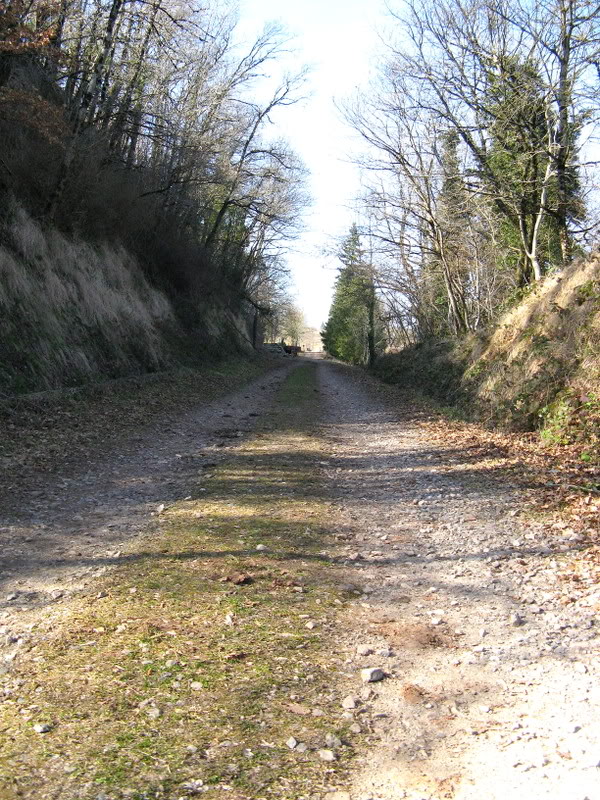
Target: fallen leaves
point(553, 477)
point(238, 579)
point(238, 656)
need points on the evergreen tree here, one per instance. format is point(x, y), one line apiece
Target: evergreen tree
point(354, 332)
point(525, 167)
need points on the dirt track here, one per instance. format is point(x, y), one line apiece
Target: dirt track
point(57, 532)
point(491, 679)
point(493, 688)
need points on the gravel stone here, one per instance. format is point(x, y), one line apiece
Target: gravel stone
point(42, 727)
point(333, 741)
point(326, 755)
point(372, 674)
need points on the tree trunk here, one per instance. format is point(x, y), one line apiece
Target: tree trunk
point(563, 133)
point(372, 353)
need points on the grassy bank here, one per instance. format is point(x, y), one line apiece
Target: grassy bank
point(205, 649)
point(539, 368)
point(75, 312)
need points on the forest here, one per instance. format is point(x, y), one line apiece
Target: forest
point(481, 175)
point(142, 200)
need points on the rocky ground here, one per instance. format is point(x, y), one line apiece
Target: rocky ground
point(491, 662)
point(466, 666)
point(60, 528)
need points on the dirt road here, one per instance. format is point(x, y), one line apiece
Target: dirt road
point(404, 554)
point(58, 531)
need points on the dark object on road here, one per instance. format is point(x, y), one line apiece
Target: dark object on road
point(274, 349)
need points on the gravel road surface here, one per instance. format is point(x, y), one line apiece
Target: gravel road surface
point(490, 684)
point(492, 687)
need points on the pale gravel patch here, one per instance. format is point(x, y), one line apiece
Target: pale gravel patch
point(437, 540)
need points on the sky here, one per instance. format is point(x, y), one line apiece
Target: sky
point(338, 40)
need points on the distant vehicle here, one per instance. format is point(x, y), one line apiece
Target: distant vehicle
point(274, 348)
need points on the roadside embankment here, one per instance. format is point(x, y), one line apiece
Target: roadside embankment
point(75, 312)
point(538, 368)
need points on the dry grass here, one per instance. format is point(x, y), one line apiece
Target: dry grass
point(72, 310)
point(192, 661)
point(541, 350)
point(538, 368)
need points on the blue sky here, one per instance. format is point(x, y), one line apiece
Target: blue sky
point(338, 40)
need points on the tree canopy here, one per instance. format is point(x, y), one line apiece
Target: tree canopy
point(137, 122)
point(476, 181)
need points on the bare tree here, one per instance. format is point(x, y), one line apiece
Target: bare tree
point(474, 159)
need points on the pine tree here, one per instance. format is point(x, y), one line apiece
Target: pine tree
point(527, 167)
point(353, 331)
